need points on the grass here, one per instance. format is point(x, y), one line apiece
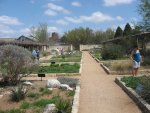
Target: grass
point(56, 68)
point(33, 95)
point(71, 93)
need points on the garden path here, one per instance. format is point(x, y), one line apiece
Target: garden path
point(99, 93)
point(45, 58)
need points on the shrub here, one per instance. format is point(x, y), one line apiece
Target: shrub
point(18, 94)
point(131, 81)
point(14, 60)
point(72, 82)
point(63, 106)
point(112, 52)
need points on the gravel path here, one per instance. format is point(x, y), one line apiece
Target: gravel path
point(99, 93)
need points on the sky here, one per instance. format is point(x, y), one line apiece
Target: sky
point(18, 16)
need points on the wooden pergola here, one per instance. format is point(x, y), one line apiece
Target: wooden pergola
point(140, 39)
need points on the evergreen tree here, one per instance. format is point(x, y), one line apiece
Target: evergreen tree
point(127, 30)
point(118, 32)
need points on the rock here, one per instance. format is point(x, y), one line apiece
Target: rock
point(50, 108)
point(65, 86)
point(53, 83)
point(28, 83)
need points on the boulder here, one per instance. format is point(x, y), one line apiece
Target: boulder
point(66, 87)
point(27, 83)
point(53, 83)
point(50, 108)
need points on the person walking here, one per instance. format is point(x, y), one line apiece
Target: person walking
point(136, 58)
point(38, 54)
point(34, 54)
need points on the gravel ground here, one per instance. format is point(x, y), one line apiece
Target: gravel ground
point(99, 93)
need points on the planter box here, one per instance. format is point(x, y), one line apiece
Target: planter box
point(142, 104)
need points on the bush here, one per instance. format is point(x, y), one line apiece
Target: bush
point(14, 60)
point(131, 81)
point(112, 52)
point(18, 94)
point(63, 106)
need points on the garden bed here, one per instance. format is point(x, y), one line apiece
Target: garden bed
point(56, 68)
point(38, 97)
point(140, 96)
point(121, 67)
point(64, 58)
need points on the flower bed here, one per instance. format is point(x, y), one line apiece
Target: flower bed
point(138, 88)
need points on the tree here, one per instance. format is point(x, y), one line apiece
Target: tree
point(40, 33)
point(118, 32)
point(144, 10)
point(14, 60)
point(127, 30)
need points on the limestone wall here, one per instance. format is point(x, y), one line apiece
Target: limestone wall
point(87, 47)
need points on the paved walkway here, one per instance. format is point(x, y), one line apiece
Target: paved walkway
point(99, 93)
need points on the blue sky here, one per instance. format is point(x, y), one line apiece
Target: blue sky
point(18, 16)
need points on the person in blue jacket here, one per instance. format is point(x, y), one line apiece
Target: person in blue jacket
point(136, 58)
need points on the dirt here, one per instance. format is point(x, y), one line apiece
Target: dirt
point(6, 103)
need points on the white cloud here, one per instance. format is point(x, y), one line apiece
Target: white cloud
point(25, 31)
point(119, 18)
point(52, 8)
point(116, 2)
point(50, 12)
point(62, 22)
point(9, 20)
point(95, 17)
point(76, 4)
point(6, 29)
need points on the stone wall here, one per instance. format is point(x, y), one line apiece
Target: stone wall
point(87, 47)
point(64, 47)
